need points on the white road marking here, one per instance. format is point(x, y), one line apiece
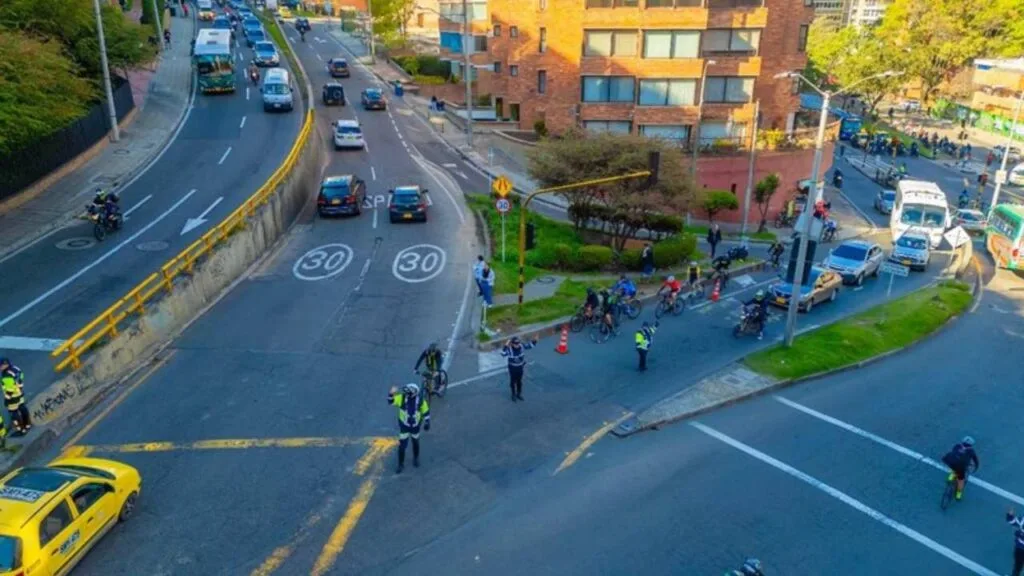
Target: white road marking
point(374, 217)
point(373, 173)
point(31, 344)
point(428, 168)
point(225, 156)
point(846, 499)
point(331, 259)
point(901, 449)
point(319, 58)
point(95, 262)
point(242, 123)
point(246, 92)
point(450, 165)
point(419, 263)
point(193, 223)
point(478, 377)
point(137, 205)
point(463, 175)
point(458, 318)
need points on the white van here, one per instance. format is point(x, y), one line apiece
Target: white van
point(277, 90)
point(1016, 175)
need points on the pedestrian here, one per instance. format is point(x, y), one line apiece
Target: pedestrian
point(478, 274)
point(14, 401)
point(891, 111)
point(714, 237)
point(433, 103)
point(514, 349)
point(644, 338)
point(413, 410)
point(487, 285)
point(647, 259)
point(990, 158)
point(1018, 541)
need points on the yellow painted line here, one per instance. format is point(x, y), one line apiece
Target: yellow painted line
point(282, 553)
point(589, 441)
point(110, 407)
point(229, 444)
point(343, 531)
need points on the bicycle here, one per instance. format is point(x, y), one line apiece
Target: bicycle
point(722, 275)
point(580, 320)
point(631, 307)
point(949, 493)
point(784, 220)
point(664, 307)
point(696, 293)
point(435, 382)
point(602, 332)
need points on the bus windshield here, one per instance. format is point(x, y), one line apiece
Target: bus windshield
point(928, 216)
point(213, 65)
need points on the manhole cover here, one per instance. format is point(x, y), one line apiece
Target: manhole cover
point(154, 246)
point(122, 152)
point(79, 243)
point(545, 280)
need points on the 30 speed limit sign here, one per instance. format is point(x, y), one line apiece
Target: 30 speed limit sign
point(503, 205)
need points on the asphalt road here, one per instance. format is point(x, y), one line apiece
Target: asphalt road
point(305, 347)
point(226, 148)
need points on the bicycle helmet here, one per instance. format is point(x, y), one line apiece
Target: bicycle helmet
point(751, 566)
point(411, 389)
point(759, 294)
point(967, 441)
point(693, 263)
point(432, 347)
point(671, 279)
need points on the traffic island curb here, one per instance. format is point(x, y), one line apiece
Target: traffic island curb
point(736, 382)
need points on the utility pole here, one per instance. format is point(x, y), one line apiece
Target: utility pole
point(159, 27)
point(373, 45)
point(700, 113)
point(750, 172)
point(115, 132)
point(1006, 153)
point(467, 74)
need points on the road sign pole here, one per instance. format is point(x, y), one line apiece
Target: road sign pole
point(888, 293)
point(503, 237)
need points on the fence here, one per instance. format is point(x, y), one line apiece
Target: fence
point(106, 324)
point(21, 168)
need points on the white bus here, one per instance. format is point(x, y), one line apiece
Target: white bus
point(921, 205)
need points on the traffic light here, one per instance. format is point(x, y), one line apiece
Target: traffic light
point(653, 163)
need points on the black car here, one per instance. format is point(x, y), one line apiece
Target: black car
point(338, 68)
point(373, 99)
point(334, 93)
point(302, 25)
point(341, 195)
point(408, 203)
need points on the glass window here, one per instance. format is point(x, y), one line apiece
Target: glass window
point(497, 67)
point(479, 43)
point(613, 126)
point(711, 131)
point(513, 31)
point(54, 523)
point(671, 43)
point(513, 70)
point(728, 89)
point(451, 41)
point(477, 11)
point(599, 3)
point(745, 40)
point(542, 81)
point(673, 132)
point(625, 44)
point(543, 44)
point(849, 252)
point(88, 495)
point(659, 3)
point(609, 43)
point(667, 92)
point(686, 44)
point(608, 88)
point(542, 5)
point(912, 215)
point(801, 43)
point(497, 30)
point(9, 547)
point(716, 40)
point(658, 44)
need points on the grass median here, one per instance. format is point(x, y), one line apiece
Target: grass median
point(569, 296)
point(882, 329)
point(277, 35)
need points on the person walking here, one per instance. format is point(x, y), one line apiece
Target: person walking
point(647, 260)
point(714, 237)
point(478, 274)
point(644, 338)
point(514, 349)
point(487, 285)
point(413, 410)
point(1018, 541)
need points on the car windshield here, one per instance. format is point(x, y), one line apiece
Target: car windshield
point(969, 216)
point(213, 64)
point(256, 35)
point(889, 196)
point(8, 553)
point(850, 252)
point(335, 190)
point(912, 243)
point(406, 198)
point(373, 94)
point(349, 130)
point(930, 216)
point(264, 47)
point(275, 89)
point(339, 64)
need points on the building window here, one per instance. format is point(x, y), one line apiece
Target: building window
point(542, 81)
point(452, 11)
point(730, 41)
point(674, 3)
point(420, 19)
point(451, 41)
point(543, 44)
point(513, 70)
point(612, 126)
point(674, 132)
point(612, 3)
point(716, 130)
point(609, 43)
point(513, 31)
point(608, 88)
point(497, 68)
point(497, 30)
point(731, 89)
point(667, 92)
point(671, 44)
point(479, 43)
point(801, 42)
point(808, 3)
point(542, 4)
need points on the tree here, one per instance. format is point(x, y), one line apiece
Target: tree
point(763, 192)
point(717, 200)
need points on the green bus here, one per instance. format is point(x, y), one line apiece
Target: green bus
point(1003, 236)
point(214, 60)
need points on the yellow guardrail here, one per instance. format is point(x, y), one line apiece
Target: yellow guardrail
point(134, 302)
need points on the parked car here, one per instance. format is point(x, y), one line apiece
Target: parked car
point(348, 134)
point(265, 54)
point(1016, 176)
point(373, 99)
point(913, 250)
point(1015, 154)
point(821, 285)
point(343, 194)
point(338, 68)
point(970, 220)
point(408, 203)
point(884, 201)
point(855, 260)
point(334, 93)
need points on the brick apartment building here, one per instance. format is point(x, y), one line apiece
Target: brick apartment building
point(636, 66)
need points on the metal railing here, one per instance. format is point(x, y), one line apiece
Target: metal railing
point(134, 302)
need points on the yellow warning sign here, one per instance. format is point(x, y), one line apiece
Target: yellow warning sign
point(502, 186)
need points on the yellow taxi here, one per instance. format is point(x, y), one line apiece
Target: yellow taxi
point(51, 516)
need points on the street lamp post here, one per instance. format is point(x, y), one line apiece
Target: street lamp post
point(373, 45)
point(115, 132)
point(1006, 153)
point(805, 231)
point(467, 73)
point(159, 26)
point(700, 113)
point(750, 172)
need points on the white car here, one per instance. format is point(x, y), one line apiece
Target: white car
point(1015, 154)
point(912, 250)
point(348, 134)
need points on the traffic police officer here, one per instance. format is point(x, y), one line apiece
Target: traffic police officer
point(14, 400)
point(515, 350)
point(413, 410)
point(644, 337)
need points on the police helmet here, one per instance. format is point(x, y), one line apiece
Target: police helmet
point(967, 441)
point(693, 263)
point(515, 341)
point(5, 362)
point(759, 294)
point(432, 347)
point(752, 566)
point(411, 389)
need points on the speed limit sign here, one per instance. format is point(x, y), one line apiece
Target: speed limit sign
point(503, 205)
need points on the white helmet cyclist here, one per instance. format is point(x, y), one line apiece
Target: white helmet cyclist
point(671, 278)
point(411, 389)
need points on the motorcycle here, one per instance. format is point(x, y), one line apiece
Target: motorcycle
point(837, 180)
point(737, 253)
point(103, 221)
point(748, 323)
point(254, 76)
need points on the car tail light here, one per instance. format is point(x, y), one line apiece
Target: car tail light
point(421, 207)
point(350, 200)
point(321, 201)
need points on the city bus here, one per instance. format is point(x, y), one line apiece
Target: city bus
point(920, 205)
point(214, 60)
point(1003, 236)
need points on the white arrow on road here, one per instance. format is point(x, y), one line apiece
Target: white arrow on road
point(193, 223)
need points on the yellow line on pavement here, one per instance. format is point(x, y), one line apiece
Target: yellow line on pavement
point(343, 531)
point(589, 441)
point(228, 444)
point(282, 553)
point(110, 407)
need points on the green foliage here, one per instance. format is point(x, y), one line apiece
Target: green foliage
point(674, 251)
point(630, 259)
point(763, 192)
point(717, 200)
point(423, 64)
point(429, 80)
point(391, 16)
point(540, 128)
point(592, 258)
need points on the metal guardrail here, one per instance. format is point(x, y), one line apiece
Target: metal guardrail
point(134, 302)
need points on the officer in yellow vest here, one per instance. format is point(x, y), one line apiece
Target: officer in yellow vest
point(413, 410)
point(644, 337)
point(14, 400)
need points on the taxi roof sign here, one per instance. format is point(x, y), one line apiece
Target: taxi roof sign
point(502, 186)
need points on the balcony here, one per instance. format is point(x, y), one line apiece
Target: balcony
point(732, 4)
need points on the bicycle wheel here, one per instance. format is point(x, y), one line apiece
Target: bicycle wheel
point(678, 306)
point(99, 232)
point(599, 333)
point(947, 494)
point(660, 310)
point(633, 309)
point(441, 384)
point(578, 322)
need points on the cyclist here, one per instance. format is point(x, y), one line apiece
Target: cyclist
point(693, 275)
point(760, 302)
point(608, 304)
point(751, 567)
point(957, 459)
point(721, 270)
point(591, 303)
point(624, 287)
point(775, 252)
point(674, 287)
point(433, 357)
point(1018, 541)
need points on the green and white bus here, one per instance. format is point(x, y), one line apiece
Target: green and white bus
point(214, 60)
point(1003, 236)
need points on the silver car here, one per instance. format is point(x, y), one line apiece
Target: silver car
point(884, 201)
point(912, 250)
point(855, 260)
point(970, 220)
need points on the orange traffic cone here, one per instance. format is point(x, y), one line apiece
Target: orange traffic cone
point(563, 342)
point(717, 291)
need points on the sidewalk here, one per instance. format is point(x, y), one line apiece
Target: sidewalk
point(166, 92)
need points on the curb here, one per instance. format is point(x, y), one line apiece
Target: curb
point(632, 425)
